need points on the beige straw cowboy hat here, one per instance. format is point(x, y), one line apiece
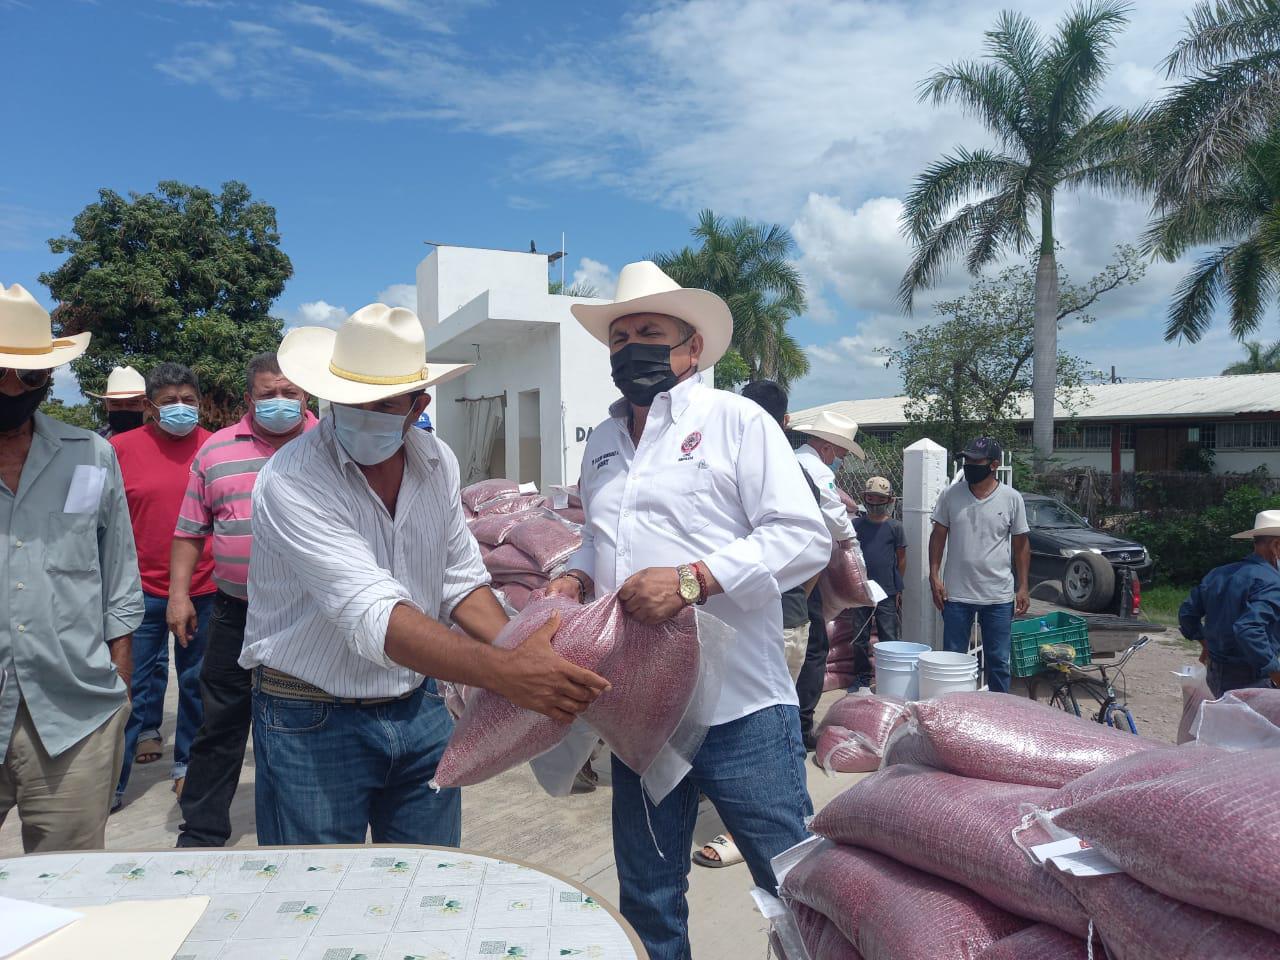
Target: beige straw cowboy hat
point(26, 334)
point(1265, 524)
point(377, 352)
point(644, 288)
point(124, 383)
point(834, 428)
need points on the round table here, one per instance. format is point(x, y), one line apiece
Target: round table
point(372, 902)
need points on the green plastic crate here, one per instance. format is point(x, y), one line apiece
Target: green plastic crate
point(1028, 636)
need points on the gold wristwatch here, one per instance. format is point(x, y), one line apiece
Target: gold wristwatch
point(690, 589)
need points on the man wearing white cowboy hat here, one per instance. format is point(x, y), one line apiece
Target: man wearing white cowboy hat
point(124, 401)
point(1234, 614)
point(71, 594)
point(829, 438)
point(360, 558)
point(690, 496)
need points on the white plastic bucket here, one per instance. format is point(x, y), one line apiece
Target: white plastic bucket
point(896, 674)
point(942, 673)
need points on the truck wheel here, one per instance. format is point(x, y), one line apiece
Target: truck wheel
point(1088, 582)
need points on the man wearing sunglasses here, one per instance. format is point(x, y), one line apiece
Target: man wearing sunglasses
point(71, 594)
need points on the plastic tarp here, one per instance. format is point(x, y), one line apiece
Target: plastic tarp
point(997, 736)
point(1137, 923)
point(889, 911)
point(1261, 700)
point(1206, 836)
point(955, 828)
point(853, 734)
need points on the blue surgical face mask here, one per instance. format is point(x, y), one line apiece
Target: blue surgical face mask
point(369, 437)
point(277, 414)
point(837, 464)
point(178, 419)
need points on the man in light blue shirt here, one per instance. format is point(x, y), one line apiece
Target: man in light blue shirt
point(71, 596)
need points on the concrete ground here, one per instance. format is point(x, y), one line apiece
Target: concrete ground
point(507, 816)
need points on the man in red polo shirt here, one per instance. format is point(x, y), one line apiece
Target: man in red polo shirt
point(155, 461)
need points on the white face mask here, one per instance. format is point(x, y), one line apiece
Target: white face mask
point(369, 437)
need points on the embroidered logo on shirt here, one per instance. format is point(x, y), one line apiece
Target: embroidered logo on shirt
point(604, 458)
point(691, 442)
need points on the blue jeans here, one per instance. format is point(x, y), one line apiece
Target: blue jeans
point(327, 772)
point(151, 680)
point(996, 622)
point(752, 769)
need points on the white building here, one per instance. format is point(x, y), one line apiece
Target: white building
point(540, 384)
point(1143, 427)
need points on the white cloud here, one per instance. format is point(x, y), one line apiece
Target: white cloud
point(399, 295)
point(317, 313)
point(597, 275)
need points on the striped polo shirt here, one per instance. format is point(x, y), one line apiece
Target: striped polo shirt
point(219, 499)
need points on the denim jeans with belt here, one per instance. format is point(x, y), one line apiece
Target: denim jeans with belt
point(752, 770)
point(151, 680)
point(1223, 677)
point(996, 622)
point(327, 772)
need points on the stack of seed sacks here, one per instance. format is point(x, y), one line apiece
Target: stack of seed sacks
point(928, 856)
point(522, 539)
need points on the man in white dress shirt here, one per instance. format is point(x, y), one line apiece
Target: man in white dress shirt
point(691, 497)
point(360, 557)
point(828, 440)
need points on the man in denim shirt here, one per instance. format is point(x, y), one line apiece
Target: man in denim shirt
point(1235, 614)
point(71, 594)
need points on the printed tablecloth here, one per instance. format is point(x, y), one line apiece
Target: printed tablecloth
point(341, 903)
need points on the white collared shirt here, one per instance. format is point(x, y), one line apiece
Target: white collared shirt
point(834, 512)
point(330, 563)
point(715, 480)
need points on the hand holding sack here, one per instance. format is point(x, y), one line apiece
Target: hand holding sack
point(844, 582)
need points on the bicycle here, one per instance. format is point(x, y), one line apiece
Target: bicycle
point(1098, 681)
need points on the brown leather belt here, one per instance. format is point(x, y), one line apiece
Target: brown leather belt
point(279, 684)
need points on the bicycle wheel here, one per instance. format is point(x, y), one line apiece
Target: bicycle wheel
point(1058, 692)
point(1117, 710)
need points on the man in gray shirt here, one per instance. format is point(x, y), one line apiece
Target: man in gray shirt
point(975, 523)
point(71, 593)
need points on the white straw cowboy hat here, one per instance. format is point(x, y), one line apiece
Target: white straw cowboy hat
point(835, 428)
point(377, 352)
point(1265, 524)
point(26, 334)
point(644, 288)
point(124, 383)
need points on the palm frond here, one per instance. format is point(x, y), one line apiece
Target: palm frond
point(952, 180)
point(984, 90)
point(1196, 298)
point(1219, 30)
point(935, 252)
point(1077, 61)
point(1250, 284)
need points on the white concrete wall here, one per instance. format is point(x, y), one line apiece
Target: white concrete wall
point(1244, 461)
point(588, 392)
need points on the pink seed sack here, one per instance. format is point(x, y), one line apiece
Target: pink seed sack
point(1136, 768)
point(1206, 835)
point(492, 528)
point(1261, 700)
point(549, 542)
point(507, 561)
point(853, 734)
point(844, 582)
point(1137, 923)
point(1041, 942)
point(891, 912)
point(516, 504)
point(998, 736)
point(821, 937)
point(477, 495)
point(955, 828)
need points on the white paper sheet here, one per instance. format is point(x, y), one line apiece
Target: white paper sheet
point(23, 923)
point(86, 489)
point(137, 929)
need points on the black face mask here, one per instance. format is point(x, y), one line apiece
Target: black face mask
point(642, 371)
point(122, 421)
point(976, 472)
point(15, 411)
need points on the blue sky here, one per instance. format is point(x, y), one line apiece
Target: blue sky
point(374, 125)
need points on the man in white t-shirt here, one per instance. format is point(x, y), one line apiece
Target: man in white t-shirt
point(981, 525)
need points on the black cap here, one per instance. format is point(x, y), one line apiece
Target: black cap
point(984, 448)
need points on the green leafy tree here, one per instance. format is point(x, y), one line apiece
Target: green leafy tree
point(1239, 211)
point(1035, 95)
point(970, 372)
point(731, 371)
point(576, 289)
point(1258, 359)
point(182, 274)
point(83, 415)
point(1229, 58)
point(749, 265)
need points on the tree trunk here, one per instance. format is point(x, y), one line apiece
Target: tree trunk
point(1044, 380)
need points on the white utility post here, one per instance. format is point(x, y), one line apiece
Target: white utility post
point(924, 477)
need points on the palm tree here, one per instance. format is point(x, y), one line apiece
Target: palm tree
point(1258, 359)
point(579, 288)
point(1231, 97)
point(1240, 211)
point(749, 265)
point(1035, 95)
